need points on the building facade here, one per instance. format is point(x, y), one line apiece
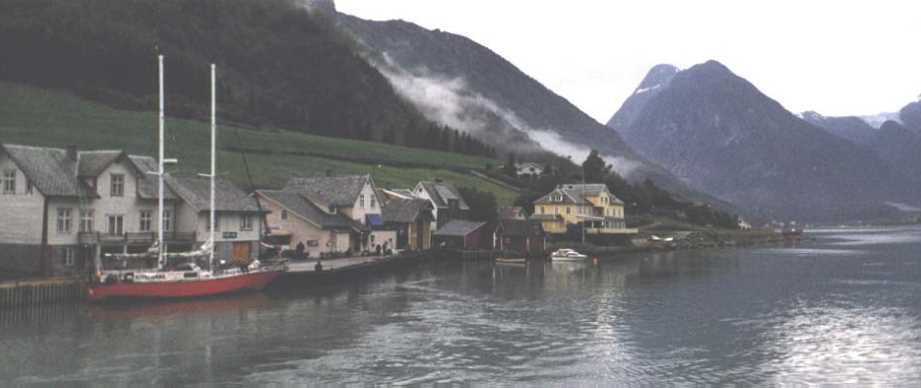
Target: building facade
point(238, 222)
point(301, 223)
point(590, 206)
point(447, 202)
point(334, 199)
point(64, 209)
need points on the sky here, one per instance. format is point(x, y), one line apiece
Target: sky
point(835, 57)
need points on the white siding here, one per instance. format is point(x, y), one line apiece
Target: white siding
point(21, 221)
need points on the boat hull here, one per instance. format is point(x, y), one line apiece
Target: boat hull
point(253, 281)
point(568, 258)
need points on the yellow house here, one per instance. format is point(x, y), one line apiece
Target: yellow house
point(589, 204)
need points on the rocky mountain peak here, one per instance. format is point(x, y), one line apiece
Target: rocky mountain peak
point(910, 115)
point(323, 7)
point(658, 76)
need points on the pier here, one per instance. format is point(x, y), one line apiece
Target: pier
point(25, 293)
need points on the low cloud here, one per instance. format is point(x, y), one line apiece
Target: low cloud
point(578, 153)
point(451, 102)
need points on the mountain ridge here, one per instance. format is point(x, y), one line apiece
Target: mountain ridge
point(725, 137)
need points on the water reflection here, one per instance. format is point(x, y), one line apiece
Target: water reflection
point(817, 313)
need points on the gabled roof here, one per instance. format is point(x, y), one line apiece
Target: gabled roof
point(196, 191)
point(577, 194)
point(148, 185)
point(459, 228)
point(302, 207)
point(441, 193)
point(50, 170)
point(93, 163)
point(520, 228)
point(335, 191)
point(399, 210)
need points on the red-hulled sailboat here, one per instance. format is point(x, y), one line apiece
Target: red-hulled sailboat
point(187, 279)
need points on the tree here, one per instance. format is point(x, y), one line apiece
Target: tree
point(594, 168)
point(509, 168)
point(483, 204)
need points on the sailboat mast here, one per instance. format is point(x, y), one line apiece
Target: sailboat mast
point(213, 159)
point(160, 172)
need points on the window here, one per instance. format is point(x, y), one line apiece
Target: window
point(373, 202)
point(87, 220)
point(115, 225)
point(65, 220)
point(29, 187)
point(246, 222)
point(568, 210)
point(217, 223)
point(68, 257)
point(284, 214)
point(167, 220)
point(146, 220)
point(9, 182)
point(361, 201)
point(117, 182)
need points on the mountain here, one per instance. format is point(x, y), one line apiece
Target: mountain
point(910, 115)
point(852, 128)
point(655, 81)
point(278, 65)
point(723, 136)
point(456, 81)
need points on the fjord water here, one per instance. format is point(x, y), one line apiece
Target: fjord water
point(844, 309)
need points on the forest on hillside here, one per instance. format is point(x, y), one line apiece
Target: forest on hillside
point(278, 66)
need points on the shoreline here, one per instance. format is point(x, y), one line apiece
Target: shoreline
point(35, 291)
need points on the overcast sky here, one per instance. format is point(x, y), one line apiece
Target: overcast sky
point(835, 57)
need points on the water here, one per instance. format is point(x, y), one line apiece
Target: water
point(844, 310)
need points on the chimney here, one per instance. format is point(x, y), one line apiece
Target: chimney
point(72, 152)
point(438, 180)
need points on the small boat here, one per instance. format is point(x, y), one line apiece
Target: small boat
point(511, 260)
point(566, 254)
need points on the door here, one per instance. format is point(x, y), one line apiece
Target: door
point(241, 252)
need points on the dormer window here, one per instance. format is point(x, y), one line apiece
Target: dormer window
point(117, 185)
point(373, 202)
point(361, 201)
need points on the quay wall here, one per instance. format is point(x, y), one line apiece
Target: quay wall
point(39, 292)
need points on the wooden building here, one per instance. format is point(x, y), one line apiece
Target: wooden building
point(524, 237)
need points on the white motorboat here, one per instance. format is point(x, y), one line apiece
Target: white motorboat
point(566, 254)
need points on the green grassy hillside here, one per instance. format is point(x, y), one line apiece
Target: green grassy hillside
point(30, 115)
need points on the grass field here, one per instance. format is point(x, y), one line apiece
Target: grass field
point(34, 116)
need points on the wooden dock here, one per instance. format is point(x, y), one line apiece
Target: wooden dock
point(25, 293)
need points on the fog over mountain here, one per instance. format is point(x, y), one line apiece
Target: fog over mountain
point(457, 81)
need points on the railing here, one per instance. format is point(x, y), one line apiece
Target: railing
point(132, 238)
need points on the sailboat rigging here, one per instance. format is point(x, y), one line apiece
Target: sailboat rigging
point(187, 279)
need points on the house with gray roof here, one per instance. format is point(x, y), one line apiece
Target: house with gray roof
point(447, 202)
point(354, 197)
point(412, 220)
point(64, 208)
point(298, 221)
point(591, 207)
point(238, 216)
